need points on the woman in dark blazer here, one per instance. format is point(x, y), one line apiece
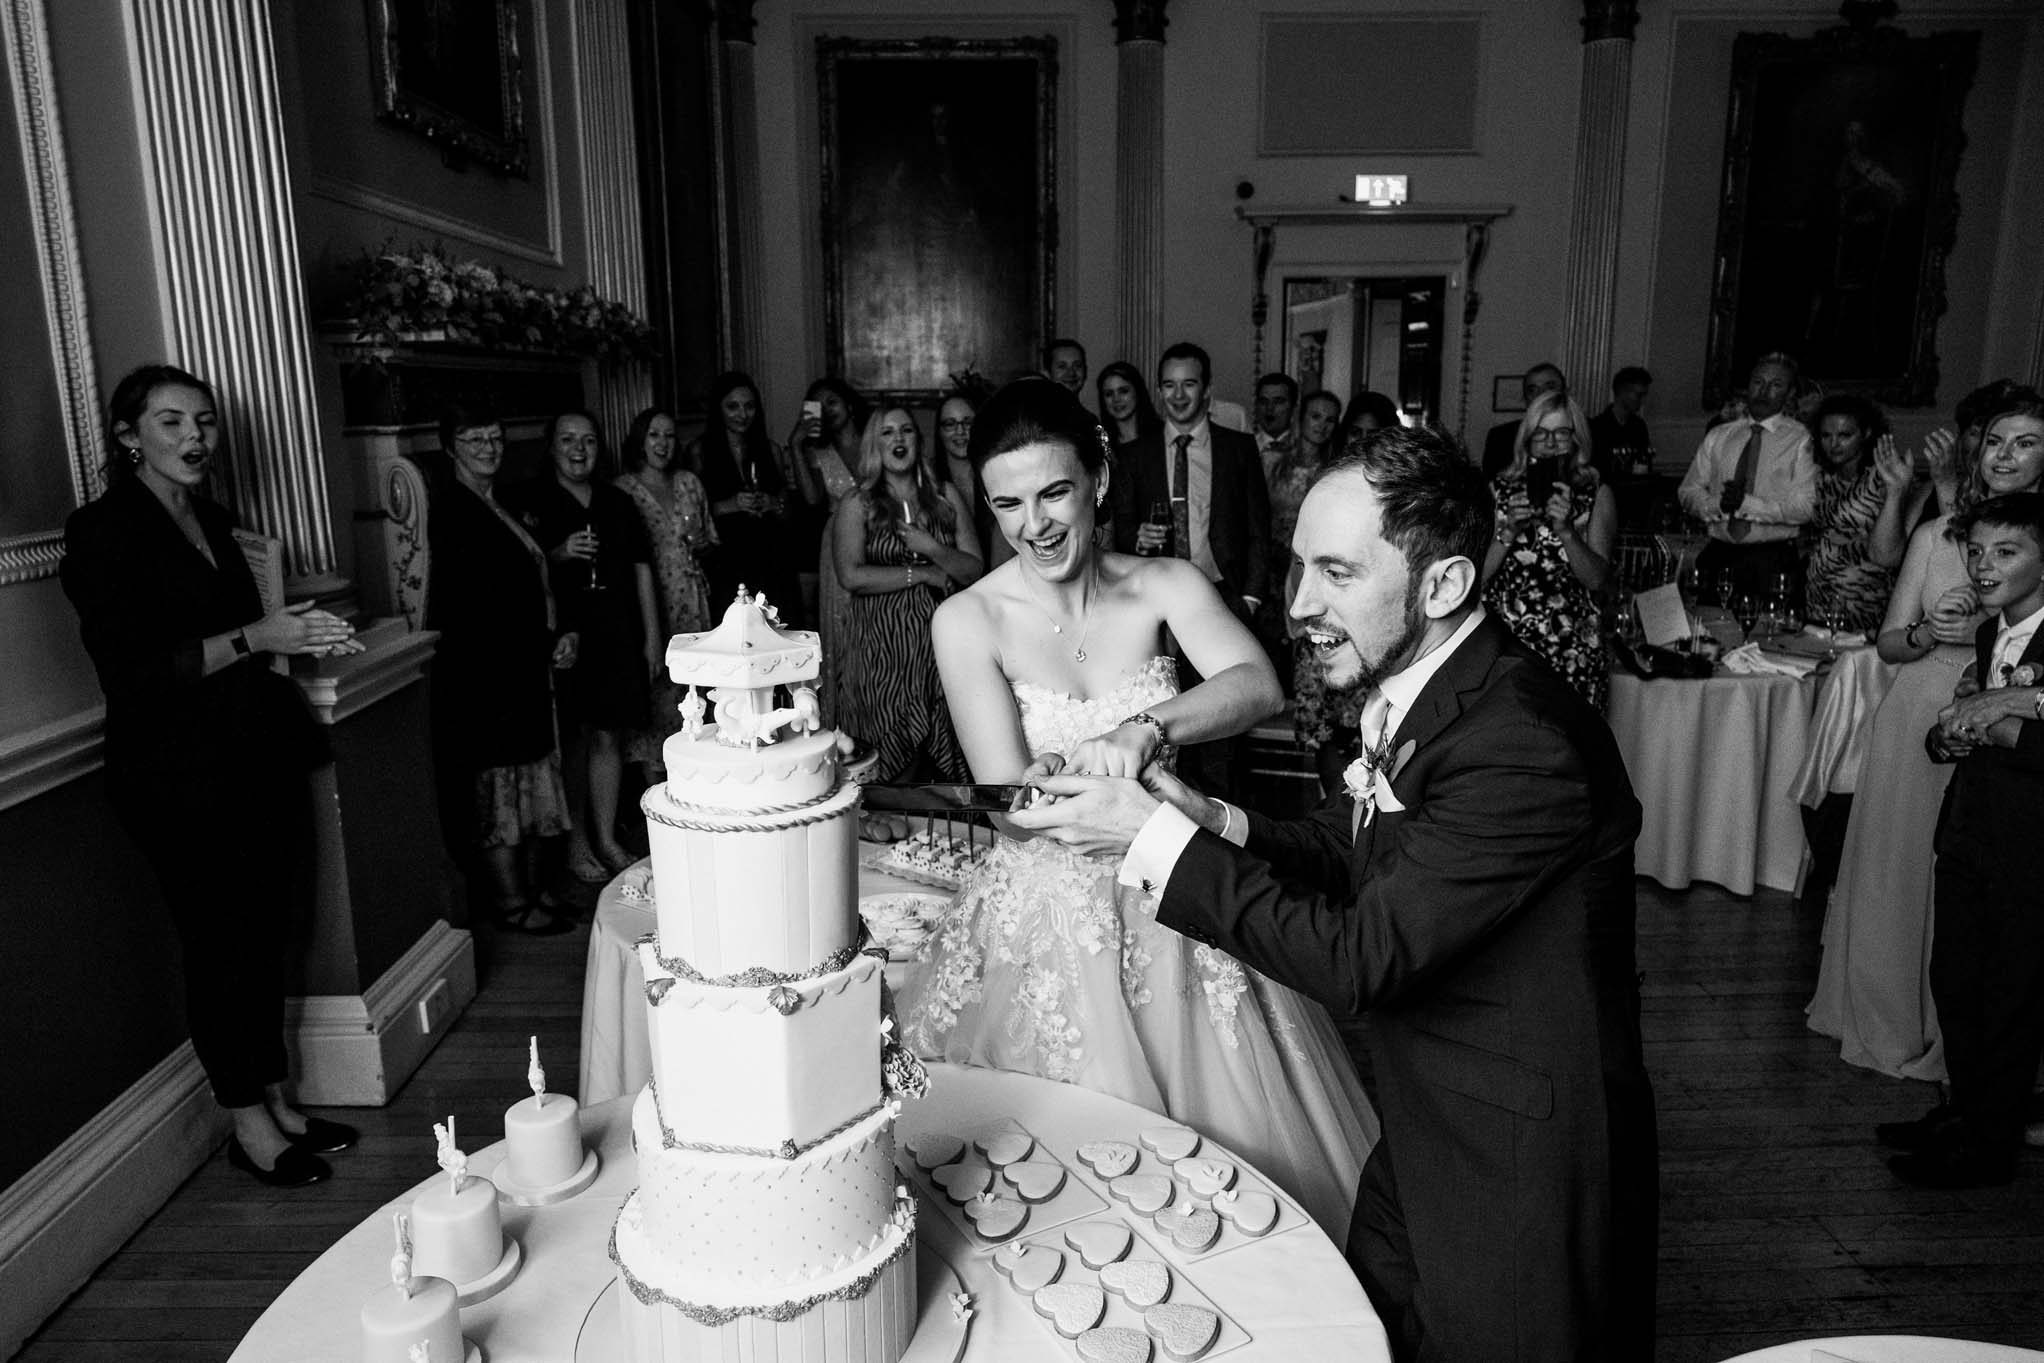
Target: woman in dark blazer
point(207, 748)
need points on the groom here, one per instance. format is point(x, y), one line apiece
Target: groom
point(1476, 901)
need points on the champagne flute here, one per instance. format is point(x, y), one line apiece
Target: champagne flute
point(595, 582)
point(1746, 611)
point(1160, 514)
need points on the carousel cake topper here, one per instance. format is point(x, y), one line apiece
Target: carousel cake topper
point(535, 1075)
point(401, 1262)
point(422, 1352)
point(449, 1156)
point(740, 662)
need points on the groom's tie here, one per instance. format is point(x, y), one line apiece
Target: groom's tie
point(1375, 718)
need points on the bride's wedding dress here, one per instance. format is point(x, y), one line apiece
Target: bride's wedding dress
point(1044, 965)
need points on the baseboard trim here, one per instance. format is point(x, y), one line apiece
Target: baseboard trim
point(65, 1217)
point(357, 1050)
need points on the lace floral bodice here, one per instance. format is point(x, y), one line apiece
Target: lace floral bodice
point(1040, 918)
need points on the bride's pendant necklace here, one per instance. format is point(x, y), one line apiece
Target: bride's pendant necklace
point(1085, 621)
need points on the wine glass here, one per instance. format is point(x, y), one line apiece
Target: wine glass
point(1746, 610)
point(1727, 587)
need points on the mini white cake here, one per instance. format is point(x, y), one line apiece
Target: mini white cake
point(769, 1222)
point(457, 1236)
point(545, 1140)
point(392, 1322)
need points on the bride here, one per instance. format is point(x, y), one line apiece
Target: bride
point(1043, 964)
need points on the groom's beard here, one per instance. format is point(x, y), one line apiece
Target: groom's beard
point(1402, 650)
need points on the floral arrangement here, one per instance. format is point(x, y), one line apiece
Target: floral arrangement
point(404, 295)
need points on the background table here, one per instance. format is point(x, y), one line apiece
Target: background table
point(1714, 764)
point(616, 1056)
point(1291, 1292)
point(1890, 1349)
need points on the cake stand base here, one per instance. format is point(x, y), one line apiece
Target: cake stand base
point(940, 1335)
point(496, 1280)
point(518, 1195)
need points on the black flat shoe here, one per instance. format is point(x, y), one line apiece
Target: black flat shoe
point(295, 1168)
point(322, 1137)
point(1919, 1135)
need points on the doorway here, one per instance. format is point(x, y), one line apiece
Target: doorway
point(1350, 333)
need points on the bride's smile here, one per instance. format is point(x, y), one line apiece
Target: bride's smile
point(1044, 500)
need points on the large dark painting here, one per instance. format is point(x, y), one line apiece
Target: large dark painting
point(450, 71)
point(939, 208)
point(1839, 207)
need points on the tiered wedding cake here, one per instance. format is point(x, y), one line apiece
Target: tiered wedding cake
point(769, 1222)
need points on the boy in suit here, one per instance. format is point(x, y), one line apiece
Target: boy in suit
point(1987, 948)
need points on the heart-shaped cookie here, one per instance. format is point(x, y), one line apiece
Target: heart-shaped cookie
point(997, 1218)
point(1250, 1213)
point(963, 1182)
point(1035, 1180)
point(1029, 1267)
point(1143, 1282)
point(1074, 1308)
point(1099, 1242)
point(1192, 1228)
point(934, 1149)
point(1170, 1143)
point(1109, 1159)
point(1115, 1344)
point(1186, 1331)
point(1204, 1176)
point(1145, 1193)
point(1004, 1146)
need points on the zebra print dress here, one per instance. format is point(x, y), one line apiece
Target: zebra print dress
point(888, 691)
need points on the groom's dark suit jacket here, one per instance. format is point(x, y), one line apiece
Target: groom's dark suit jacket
point(1509, 1212)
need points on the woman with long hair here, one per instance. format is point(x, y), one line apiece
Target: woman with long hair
point(1873, 991)
point(902, 543)
point(1548, 559)
point(676, 514)
point(1044, 964)
point(754, 507)
point(1862, 482)
point(208, 751)
point(1125, 407)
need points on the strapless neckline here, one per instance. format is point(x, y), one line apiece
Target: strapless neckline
point(1140, 672)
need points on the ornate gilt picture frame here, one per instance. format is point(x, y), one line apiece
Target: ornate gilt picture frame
point(450, 70)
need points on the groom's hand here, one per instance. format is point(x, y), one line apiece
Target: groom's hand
point(1168, 789)
point(1095, 815)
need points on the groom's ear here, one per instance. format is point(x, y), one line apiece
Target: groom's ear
point(1449, 585)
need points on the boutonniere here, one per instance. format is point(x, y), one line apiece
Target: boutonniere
point(1368, 779)
point(2026, 675)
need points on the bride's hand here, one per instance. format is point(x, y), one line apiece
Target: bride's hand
point(1122, 751)
point(1045, 764)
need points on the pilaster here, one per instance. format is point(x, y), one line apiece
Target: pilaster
point(746, 238)
point(1139, 178)
point(608, 138)
point(1592, 274)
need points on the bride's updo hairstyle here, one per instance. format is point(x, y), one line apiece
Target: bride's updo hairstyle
point(1032, 410)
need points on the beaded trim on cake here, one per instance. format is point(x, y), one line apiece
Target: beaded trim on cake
point(785, 999)
point(788, 1149)
point(714, 1316)
point(729, 821)
point(756, 976)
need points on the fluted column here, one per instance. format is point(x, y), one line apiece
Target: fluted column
point(1592, 281)
point(233, 287)
point(610, 192)
point(746, 240)
point(1139, 178)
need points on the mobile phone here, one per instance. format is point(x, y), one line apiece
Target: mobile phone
point(812, 411)
point(1541, 476)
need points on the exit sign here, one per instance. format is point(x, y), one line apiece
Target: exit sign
point(1380, 191)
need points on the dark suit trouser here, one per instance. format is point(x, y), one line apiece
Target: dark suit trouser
point(1987, 979)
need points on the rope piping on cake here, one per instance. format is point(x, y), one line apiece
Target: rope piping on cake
point(754, 976)
point(714, 1316)
point(729, 824)
point(788, 1149)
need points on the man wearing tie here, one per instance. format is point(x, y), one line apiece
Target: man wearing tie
point(1754, 484)
point(1475, 899)
point(1208, 482)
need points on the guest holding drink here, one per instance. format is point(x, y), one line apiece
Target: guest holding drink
point(751, 500)
point(207, 749)
point(1872, 988)
point(1556, 523)
point(603, 578)
point(902, 544)
point(675, 512)
point(824, 449)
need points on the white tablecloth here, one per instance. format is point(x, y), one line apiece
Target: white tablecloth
point(616, 1055)
point(1846, 701)
point(1889, 1349)
point(1291, 1292)
point(1714, 765)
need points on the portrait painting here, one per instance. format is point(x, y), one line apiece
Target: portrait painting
point(1839, 207)
point(939, 209)
point(450, 71)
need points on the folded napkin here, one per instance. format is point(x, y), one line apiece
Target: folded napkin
point(1844, 638)
point(1748, 661)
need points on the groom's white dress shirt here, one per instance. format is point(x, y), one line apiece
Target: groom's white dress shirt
point(1155, 849)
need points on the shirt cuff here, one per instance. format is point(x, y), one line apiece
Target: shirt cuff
point(1155, 850)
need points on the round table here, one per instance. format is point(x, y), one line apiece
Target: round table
point(1291, 1292)
point(1714, 764)
point(1889, 1349)
point(617, 1058)
point(1846, 701)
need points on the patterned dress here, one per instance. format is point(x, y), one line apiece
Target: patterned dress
point(1045, 965)
point(1841, 577)
point(1543, 602)
point(1318, 714)
point(685, 606)
point(888, 691)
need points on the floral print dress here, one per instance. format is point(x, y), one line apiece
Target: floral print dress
point(677, 534)
point(1543, 602)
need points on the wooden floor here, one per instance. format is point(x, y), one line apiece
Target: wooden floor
point(1779, 1220)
